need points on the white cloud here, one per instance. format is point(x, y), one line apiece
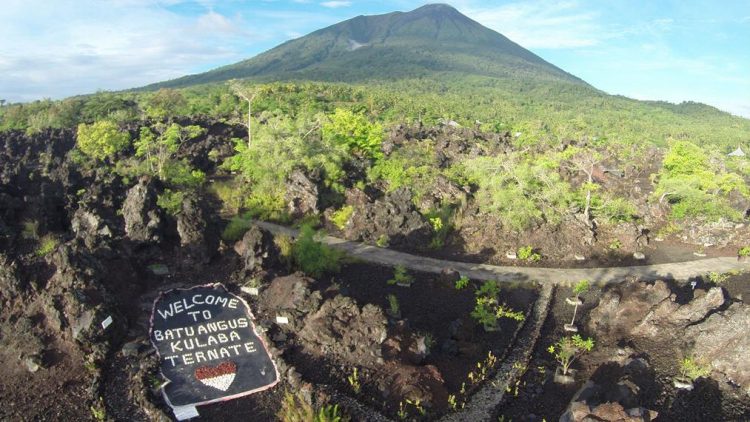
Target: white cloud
point(58, 48)
point(540, 23)
point(336, 4)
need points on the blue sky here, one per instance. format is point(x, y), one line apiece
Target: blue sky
point(669, 50)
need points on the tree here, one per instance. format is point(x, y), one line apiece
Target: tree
point(159, 150)
point(584, 160)
point(248, 95)
point(353, 130)
point(165, 103)
point(102, 139)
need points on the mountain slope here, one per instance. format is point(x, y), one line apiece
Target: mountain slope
point(432, 38)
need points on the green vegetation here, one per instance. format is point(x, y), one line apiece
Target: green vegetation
point(355, 132)
point(581, 287)
point(236, 228)
point(487, 310)
point(101, 140)
point(401, 277)
point(694, 187)
point(743, 252)
point(527, 253)
point(462, 283)
point(295, 408)
point(312, 257)
point(393, 306)
point(171, 201)
point(342, 216)
point(568, 349)
point(47, 244)
point(353, 380)
point(692, 369)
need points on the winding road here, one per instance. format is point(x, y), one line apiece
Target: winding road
point(675, 270)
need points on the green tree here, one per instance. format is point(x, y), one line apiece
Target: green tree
point(165, 103)
point(158, 150)
point(101, 140)
point(355, 131)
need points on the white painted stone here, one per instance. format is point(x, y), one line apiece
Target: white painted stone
point(282, 320)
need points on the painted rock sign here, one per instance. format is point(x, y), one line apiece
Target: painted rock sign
point(208, 347)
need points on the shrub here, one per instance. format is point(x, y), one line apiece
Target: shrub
point(342, 216)
point(47, 244)
point(462, 283)
point(393, 305)
point(489, 289)
point(717, 277)
point(354, 131)
point(296, 409)
point(171, 201)
point(744, 251)
point(229, 193)
point(568, 349)
point(401, 276)
point(236, 228)
point(692, 369)
point(312, 257)
point(527, 253)
point(382, 241)
point(101, 139)
point(285, 245)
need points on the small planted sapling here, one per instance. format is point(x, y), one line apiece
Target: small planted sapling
point(401, 277)
point(393, 310)
point(690, 370)
point(462, 283)
point(566, 351)
point(488, 311)
point(581, 287)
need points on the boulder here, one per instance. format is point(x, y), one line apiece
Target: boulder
point(722, 340)
point(613, 396)
point(341, 330)
point(257, 249)
point(143, 219)
point(649, 310)
point(76, 302)
point(291, 296)
point(90, 227)
point(650, 317)
point(415, 383)
point(301, 194)
point(394, 217)
point(199, 238)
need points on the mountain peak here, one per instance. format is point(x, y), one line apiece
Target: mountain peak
point(432, 38)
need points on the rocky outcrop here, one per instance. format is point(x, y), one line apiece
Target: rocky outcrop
point(613, 399)
point(301, 194)
point(199, 237)
point(341, 330)
point(722, 340)
point(423, 384)
point(394, 218)
point(650, 310)
point(650, 316)
point(257, 250)
point(292, 297)
point(143, 219)
point(77, 304)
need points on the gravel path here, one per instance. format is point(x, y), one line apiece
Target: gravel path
point(675, 270)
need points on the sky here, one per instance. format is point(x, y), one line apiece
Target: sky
point(671, 50)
